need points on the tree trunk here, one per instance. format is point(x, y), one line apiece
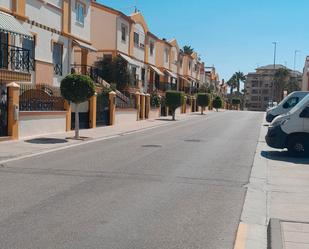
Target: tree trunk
point(202, 107)
point(238, 86)
point(231, 90)
point(76, 122)
point(173, 114)
point(217, 109)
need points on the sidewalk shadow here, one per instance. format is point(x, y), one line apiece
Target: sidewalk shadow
point(46, 140)
point(284, 157)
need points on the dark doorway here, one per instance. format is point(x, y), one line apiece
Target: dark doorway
point(3, 110)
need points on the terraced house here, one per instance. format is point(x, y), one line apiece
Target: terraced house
point(37, 41)
point(156, 64)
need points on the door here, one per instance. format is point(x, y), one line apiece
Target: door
point(102, 109)
point(3, 110)
point(4, 50)
point(304, 115)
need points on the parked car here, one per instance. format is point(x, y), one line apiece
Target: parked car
point(285, 105)
point(291, 130)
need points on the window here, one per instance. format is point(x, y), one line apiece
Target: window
point(166, 54)
point(291, 102)
point(80, 12)
point(136, 39)
point(265, 91)
point(265, 98)
point(254, 98)
point(123, 32)
point(180, 61)
point(151, 48)
point(29, 45)
point(143, 76)
point(57, 58)
point(305, 113)
point(195, 67)
point(189, 65)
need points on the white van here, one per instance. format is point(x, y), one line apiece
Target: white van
point(291, 130)
point(285, 105)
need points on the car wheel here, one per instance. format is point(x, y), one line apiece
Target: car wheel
point(298, 146)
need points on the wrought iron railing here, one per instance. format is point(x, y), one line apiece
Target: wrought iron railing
point(15, 58)
point(95, 74)
point(40, 97)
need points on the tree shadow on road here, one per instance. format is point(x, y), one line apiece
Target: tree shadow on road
point(46, 140)
point(284, 157)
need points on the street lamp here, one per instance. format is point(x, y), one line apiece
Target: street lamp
point(295, 52)
point(275, 51)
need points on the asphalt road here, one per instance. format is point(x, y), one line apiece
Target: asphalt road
point(176, 186)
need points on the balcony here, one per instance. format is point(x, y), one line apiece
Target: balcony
point(15, 58)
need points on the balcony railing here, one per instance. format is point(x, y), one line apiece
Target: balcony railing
point(15, 58)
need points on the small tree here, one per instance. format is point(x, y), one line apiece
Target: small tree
point(236, 101)
point(217, 103)
point(173, 100)
point(77, 88)
point(203, 100)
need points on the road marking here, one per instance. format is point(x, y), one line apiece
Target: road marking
point(240, 242)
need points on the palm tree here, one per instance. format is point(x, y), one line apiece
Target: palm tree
point(280, 81)
point(240, 77)
point(232, 83)
point(187, 50)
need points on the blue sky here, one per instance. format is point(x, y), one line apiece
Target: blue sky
point(233, 35)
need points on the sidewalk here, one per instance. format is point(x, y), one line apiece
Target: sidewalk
point(278, 190)
point(125, 123)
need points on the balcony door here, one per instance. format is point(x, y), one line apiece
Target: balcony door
point(4, 52)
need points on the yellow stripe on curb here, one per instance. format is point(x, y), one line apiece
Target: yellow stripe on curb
point(240, 242)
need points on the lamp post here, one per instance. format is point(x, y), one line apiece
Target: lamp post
point(273, 87)
point(275, 51)
point(295, 52)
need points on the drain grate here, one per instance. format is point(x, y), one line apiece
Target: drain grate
point(151, 145)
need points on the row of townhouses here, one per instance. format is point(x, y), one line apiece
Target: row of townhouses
point(42, 41)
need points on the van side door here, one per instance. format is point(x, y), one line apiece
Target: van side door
point(304, 115)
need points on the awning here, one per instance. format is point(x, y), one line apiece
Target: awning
point(9, 24)
point(84, 45)
point(171, 74)
point(157, 70)
point(130, 60)
point(185, 80)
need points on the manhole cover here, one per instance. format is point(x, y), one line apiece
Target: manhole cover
point(193, 140)
point(152, 146)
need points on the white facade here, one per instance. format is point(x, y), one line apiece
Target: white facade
point(78, 29)
point(123, 45)
point(174, 59)
point(139, 49)
point(152, 57)
point(7, 4)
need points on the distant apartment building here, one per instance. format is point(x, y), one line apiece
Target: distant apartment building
point(305, 81)
point(259, 87)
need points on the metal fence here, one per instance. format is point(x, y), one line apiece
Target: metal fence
point(40, 97)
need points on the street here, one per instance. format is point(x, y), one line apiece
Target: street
point(176, 186)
